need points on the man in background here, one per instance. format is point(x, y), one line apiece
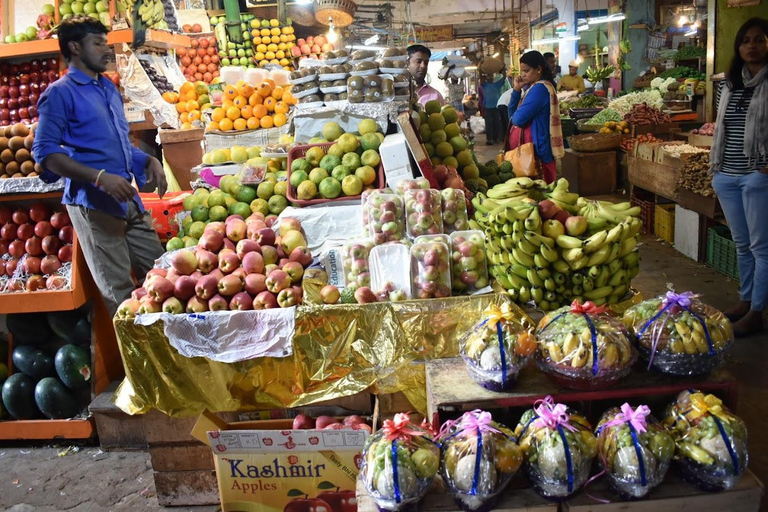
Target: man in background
point(572, 81)
point(418, 63)
point(490, 91)
point(551, 60)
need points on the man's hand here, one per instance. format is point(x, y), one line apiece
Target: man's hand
point(155, 177)
point(116, 186)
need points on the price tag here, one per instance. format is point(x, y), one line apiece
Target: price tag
point(134, 113)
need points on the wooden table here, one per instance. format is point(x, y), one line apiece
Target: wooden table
point(450, 386)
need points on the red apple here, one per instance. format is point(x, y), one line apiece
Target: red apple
point(206, 261)
point(294, 270)
point(241, 302)
point(245, 246)
point(340, 501)
point(173, 306)
point(17, 249)
point(55, 282)
point(184, 262)
point(265, 237)
point(302, 255)
point(307, 505)
point(236, 230)
point(265, 300)
point(211, 240)
point(269, 253)
point(128, 309)
point(330, 294)
point(184, 288)
point(156, 271)
point(323, 421)
point(207, 287)
point(51, 244)
point(160, 288)
point(253, 263)
point(197, 305)
point(219, 227)
point(231, 218)
point(303, 422)
point(43, 228)
point(60, 219)
point(287, 298)
point(230, 285)
point(172, 276)
point(228, 261)
point(66, 234)
point(147, 306)
point(65, 253)
point(255, 283)
point(32, 265)
point(139, 293)
point(25, 232)
point(277, 281)
point(218, 303)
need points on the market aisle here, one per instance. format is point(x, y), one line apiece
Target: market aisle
point(37, 479)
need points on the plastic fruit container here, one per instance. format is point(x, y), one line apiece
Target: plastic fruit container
point(364, 202)
point(469, 264)
point(423, 211)
point(385, 218)
point(430, 270)
point(454, 210)
point(412, 184)
point(355, 261)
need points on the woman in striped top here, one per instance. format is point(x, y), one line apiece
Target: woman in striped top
point(739, 161)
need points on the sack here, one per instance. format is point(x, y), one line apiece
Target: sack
point(523, 159)
point(477, 124)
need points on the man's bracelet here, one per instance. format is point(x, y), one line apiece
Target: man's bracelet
point(96, 183)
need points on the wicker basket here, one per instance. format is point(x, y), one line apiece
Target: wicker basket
point(582, 125)
point(590, 143)
point(341, 12)
point(303, 15)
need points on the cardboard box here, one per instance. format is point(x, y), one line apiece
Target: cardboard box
point(395, 158)
point(264, 466)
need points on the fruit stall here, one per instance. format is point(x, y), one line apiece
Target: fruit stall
point(352, 296)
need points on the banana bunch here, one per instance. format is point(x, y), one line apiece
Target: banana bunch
point(532, 260)
point(152, 14)
point(125, 6)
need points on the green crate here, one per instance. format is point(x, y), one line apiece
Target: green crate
point(721, 252)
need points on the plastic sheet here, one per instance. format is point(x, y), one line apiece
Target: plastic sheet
point(139, 89)
point(29, 186)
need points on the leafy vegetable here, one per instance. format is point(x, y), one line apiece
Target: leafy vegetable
point(604, 116)
point(624, 104)
point(690, 52)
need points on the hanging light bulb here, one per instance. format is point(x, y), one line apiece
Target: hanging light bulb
point(333, 36)
point(682, 20)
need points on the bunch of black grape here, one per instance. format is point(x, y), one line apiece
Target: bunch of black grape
point(159, 81)
point(170, 17)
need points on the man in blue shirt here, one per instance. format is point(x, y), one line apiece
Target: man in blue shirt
point(82, 136)
point(490, 89)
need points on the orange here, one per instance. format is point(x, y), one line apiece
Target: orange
point(225, 104)
point(240, 124)
point(255, 37)
point(265, 88)
point(255, 99)
point(186, 87)
point(186, 126)
point(270, 104)
point(280, 120)
point(252, 123)
point(275, 31)
point(192, 105)
point(230, 91)
point(233, 113)
point(181, 107)
point(266, 122)
point(170, 96)
point(240, 101)
point(259, 111)
point(526, 344)
point(266, 40)
point(225, 125)
point(194, 115)
point(246, 112)
point(265, 32)
point(277, 93)
point(272, 47)
point(190, 95)
point(259, 56)
point(184, 117)
point(281, 107)
point(246, 90)
point(270, 82)
point(239, 84)
point(288, 98)
point(218, 114)
point(212, 126)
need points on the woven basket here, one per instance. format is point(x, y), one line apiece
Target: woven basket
point(303, 15)
point(341, 12)
point(582, 125)
point(589, 143)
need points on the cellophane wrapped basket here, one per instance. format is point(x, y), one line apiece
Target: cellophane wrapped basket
point(479, 458)
point(634, 449)
point(497, 348)
point(679, 334)
point(399, 463)
point(582, 346)
point(559, 447)
point(711, 441)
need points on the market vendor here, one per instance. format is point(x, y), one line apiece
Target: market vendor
point(82, 136)
point(418, 62)
point(572, 81)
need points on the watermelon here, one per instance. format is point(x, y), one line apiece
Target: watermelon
point(19, 397)
point(33, 362)
point(71, 326)
point(73, 366)
point(29, 328)
point(55, 400)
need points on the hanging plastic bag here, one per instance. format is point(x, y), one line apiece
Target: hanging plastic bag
point(399, 463)
point(711, 441)
point(559, 447)
point(479, 458)
point(634, 449)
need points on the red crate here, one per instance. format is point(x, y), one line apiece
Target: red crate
point(297, 152)
point(647, 206)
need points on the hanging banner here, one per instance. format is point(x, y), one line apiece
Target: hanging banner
point(434, 34)
point(561, 28)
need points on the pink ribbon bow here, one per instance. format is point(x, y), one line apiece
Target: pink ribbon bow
point(635, 417)
point(478, 421)
point(551, 415)
point(400, 428)
point(588, 308)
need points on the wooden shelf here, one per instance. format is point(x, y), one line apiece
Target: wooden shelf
point(31, 196)
point(47, 429)
point(154, 38)
point(29, 49)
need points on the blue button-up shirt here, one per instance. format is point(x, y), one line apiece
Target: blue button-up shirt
point(84, 119)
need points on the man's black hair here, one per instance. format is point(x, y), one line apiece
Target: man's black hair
point(75, 29)
point(548, 55)
point(418, 48)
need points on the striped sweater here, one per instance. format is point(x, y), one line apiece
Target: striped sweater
point(734, 161)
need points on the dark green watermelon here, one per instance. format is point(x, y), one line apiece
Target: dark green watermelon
point(73, 365)
point(55, 400)
point(3, 350)
point(29, 328)
point(71, 326)
point(33, 362)
point(19, 397)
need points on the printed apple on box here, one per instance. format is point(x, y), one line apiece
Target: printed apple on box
point(287, 470)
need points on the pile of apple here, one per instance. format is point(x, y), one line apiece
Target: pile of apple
point(40, 241)
point(240, 264)
point(201, 61)
point(21, 86)
point(312, 47)
point(353, 422)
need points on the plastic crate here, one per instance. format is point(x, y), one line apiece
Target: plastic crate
point(297, 152)
point(664, 222)
point(647, 211)
point(721, 252)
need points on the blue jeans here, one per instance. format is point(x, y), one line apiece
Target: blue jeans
point(745, 203)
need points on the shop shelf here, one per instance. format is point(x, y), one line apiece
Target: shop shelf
point(29, 49)
point(154, 38)
point(721, 252)
point(664, 222)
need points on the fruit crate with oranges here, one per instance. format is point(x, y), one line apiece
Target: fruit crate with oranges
point(190, 102)
point(245, 107)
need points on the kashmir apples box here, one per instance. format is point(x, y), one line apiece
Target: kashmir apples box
point(265, 466)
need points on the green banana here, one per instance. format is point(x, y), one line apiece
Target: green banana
point(617, 278)
point(534, 278)
point(549, 284)
point(540, 261)
point(538, 239)
point(595, 242)
point(522, 258)
point(561, 266)
point(627, 246)
point(524, 294)
point(574, 254)
point(569, 242)
point(519, 270)
point(598, 293)
point(550, 254)
point(533, 221)
point(537, 294)
point(602, 278)
point(615, 232)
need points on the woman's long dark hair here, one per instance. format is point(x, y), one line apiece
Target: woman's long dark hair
point(535, 60)
point(735, 81)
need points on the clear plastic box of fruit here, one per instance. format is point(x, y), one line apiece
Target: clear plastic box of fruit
point(634, 449)
point(498, 347)
point(423, 212)
point(420, 183)
point(711, 441)
point(354, 260)
point(469, 264)
point(430, 270)
point(559, 447)
point(390, 266)
point(582, 346)
point(454, 210)
point(679, 334)
point(399, 463)
point(479, 458)
point(364, 202)
point(386, 218)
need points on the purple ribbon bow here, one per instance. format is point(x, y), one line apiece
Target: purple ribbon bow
point(635, 417)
